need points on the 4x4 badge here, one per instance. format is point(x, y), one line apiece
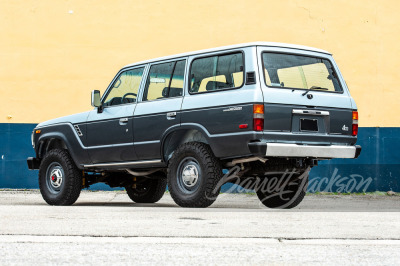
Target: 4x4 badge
point(344, 128)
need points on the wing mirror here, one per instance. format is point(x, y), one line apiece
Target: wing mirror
point(95, 98)
point(96, 101)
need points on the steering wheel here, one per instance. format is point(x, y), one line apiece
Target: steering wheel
point(127, 94)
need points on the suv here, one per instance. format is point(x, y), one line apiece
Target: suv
point(264, 109)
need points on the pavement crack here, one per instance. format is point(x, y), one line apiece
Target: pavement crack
point(280, 239)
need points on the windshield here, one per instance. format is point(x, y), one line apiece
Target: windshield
point(299, 72)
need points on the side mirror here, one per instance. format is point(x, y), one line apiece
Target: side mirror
point(95, 98)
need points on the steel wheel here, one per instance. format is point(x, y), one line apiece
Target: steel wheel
point(188, 175)
point(54, 177)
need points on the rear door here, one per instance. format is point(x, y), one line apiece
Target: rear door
point(160, 107)
point(306, 99)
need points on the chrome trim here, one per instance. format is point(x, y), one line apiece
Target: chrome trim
point(146, 142)
point(32, 138)
point(78, 130)
point(121, 163)
point(109, 145)
point(171, 114)
point(295, 150)
point(190, 175)
point(310, 112)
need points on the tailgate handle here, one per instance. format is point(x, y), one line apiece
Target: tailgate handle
point(309, 112)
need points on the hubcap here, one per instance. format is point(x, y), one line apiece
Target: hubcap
point(54, 177)
point(188, 175)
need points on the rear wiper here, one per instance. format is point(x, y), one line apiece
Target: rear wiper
point(314, 88)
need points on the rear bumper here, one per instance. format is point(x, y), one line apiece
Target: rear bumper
point(295, 150)
point(33, 163)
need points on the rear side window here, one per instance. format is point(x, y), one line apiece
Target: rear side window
point(300, 72)
point(218, 72)
point(165, 80)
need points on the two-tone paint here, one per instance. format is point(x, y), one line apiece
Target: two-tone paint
point(145, 133)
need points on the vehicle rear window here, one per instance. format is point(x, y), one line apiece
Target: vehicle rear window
point(299, 72)
point(218, 72)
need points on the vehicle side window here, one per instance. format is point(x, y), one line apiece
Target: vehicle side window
point(165, 80)
point(216, 73)
point(125, 88)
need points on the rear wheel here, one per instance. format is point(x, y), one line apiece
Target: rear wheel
point(288, 196)
point(60, 181)
point(193, 175)
point(150, 190)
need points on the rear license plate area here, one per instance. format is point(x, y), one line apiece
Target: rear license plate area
point(309, 125)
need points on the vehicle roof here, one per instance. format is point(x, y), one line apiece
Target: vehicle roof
point(242, 45)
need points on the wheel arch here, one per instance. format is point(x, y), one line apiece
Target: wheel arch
point(55, 140)
point(48, 142)
point(178, 135)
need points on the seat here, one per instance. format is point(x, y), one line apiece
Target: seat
point(173, 92)
point(216, 85)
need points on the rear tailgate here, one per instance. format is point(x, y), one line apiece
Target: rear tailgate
point(306, 100)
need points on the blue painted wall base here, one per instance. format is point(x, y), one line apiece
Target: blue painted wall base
point(378, 164)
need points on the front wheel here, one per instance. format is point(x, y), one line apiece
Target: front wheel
point(60, 181)
point(193, 175)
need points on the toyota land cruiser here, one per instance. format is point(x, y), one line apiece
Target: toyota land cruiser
point(265, 108)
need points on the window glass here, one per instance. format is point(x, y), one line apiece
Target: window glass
point(176, 88)
point(217, 73)
point(299, 72)
point(159, 83)
point(204, 82)
point(125, 88)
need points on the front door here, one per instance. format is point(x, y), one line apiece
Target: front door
point(160, 107)
point(110, 132)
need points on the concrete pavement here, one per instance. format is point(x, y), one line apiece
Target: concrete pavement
point(106, 227)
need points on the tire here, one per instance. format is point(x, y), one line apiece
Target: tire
point(60, 181)
point(198, 187)
point(295, 192)
point(148, 191)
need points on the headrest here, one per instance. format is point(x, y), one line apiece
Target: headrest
point(173, 92)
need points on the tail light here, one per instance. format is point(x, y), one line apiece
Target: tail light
point(258, 117)
point(355, 123)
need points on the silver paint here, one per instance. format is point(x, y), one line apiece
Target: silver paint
point(294, 150)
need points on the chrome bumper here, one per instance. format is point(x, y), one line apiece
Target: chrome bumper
point(296, 150)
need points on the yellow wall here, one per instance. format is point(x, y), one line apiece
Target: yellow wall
point(53, 52)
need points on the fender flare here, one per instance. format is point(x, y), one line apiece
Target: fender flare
point(72, 147)
point(183, 126)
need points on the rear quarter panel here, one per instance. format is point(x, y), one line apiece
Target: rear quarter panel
point(221, 112)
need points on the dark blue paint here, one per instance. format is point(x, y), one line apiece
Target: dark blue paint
point(379, 159)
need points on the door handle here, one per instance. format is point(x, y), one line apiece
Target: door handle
point(171, 115)
point(123, 121)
